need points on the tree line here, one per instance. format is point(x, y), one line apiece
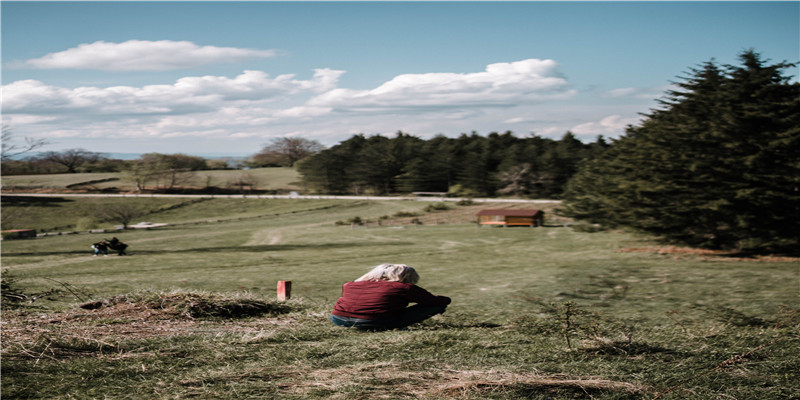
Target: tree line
point(469, 165)
point(85, 161)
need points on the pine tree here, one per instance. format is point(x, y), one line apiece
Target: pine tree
point(717, 166)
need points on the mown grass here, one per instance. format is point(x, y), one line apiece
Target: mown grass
point(537, 313)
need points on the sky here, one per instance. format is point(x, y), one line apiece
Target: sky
point(227, 78)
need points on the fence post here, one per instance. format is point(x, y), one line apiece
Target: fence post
point(284, 290)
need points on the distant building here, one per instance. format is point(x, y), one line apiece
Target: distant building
point(511, 217)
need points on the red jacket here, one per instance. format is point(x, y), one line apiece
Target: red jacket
point(381, 299)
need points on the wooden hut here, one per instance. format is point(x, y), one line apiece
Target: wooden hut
point(511, 217)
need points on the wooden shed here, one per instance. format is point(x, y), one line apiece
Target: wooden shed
point(511, 217)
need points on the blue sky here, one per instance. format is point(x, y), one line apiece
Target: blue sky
point(227, 77)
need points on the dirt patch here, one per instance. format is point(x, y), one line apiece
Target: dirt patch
point(715, 255)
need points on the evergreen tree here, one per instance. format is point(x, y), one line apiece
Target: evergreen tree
point(332, 170)
point(429, 169)
point(475, 175)
point(471, 165)
point(717, 166)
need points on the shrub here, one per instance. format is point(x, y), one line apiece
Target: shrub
point(352, 221)
point(437, 207)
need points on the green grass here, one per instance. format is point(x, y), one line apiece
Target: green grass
point(537, 313)
point(265, 179)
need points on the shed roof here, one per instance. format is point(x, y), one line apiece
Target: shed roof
point(510, 213)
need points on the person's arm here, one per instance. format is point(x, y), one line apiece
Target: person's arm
point(421, 296)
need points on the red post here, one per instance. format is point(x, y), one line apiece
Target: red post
point(284, 290)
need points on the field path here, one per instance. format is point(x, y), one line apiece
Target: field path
point(266, 236)
point(273, 236)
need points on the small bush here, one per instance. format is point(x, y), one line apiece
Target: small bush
point(437, 207)
point(351, 221)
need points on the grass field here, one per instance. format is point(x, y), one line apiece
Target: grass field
point(264, 179)
point(543, 313)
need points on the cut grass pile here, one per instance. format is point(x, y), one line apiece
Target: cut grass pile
point(544, 313)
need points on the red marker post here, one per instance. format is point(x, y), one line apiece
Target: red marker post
point(284, 290)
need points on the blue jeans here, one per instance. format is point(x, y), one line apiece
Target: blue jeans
point(409, 316)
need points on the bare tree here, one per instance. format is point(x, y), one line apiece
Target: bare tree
point(73, 158)
point(10, 149)
point(169, 170)
point(243, 180)
point(287, 151)
point(123, 213)
point(521, 179)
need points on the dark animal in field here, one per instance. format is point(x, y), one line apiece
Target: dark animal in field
point(119, 248)
point(113, 244)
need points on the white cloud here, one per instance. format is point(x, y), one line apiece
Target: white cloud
point(519, 120)
point(253, 100)
point(143, 55)
point(186, 95)
point(501, 84)
point(303, 112)
point(622, 92)
point(638, 93)
point(253, 106)
point(613, 125)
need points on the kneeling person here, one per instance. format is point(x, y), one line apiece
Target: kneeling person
point(379, 300)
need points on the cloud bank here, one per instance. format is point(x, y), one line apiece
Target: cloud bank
point(527, 94)
point(185, 96)
point(501, 84)
point(611, 125)
point(143, 55)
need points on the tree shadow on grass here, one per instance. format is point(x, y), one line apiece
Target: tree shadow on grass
point(46, 253)
point(33, 201)
point(219, 249)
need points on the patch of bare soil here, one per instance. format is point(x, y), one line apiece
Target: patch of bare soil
point(715, 255)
